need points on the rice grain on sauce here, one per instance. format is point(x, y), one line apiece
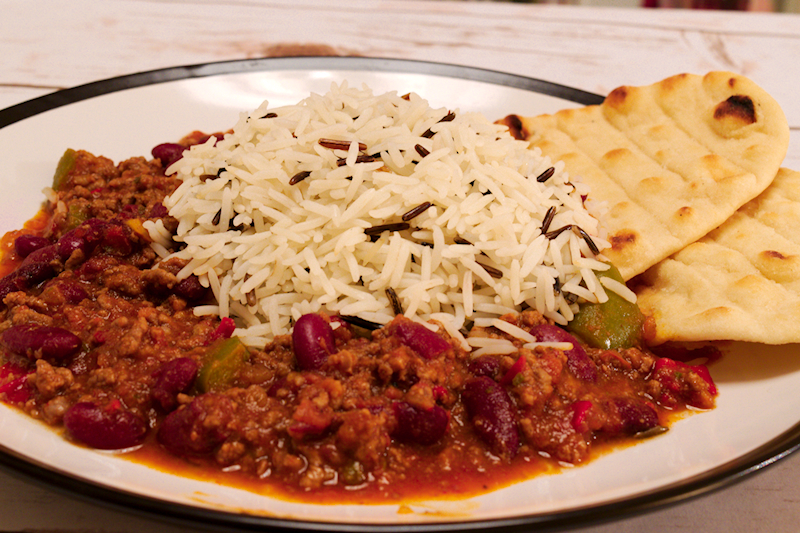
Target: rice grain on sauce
point(279, 221)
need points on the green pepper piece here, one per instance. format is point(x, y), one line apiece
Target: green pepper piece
point(64, 167)
point(76, 215)
point(616, 323)
point(222, 364)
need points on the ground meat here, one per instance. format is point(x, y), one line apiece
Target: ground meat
point(375, 415)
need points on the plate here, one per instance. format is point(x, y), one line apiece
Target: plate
point(127, 116)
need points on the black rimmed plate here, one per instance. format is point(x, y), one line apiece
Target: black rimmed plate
point(127, 116)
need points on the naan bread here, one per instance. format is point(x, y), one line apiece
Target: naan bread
point(740, 282)
point(671, 161)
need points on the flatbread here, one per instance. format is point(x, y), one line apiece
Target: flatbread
point(671, 161)
point(740, 282)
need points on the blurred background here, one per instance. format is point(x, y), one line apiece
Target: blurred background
point(777, 6)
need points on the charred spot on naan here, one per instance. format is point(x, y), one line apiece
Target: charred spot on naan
point(734, 115)
point(622, 240)
point(515, 127)
point(738, 106)
point(617, 97)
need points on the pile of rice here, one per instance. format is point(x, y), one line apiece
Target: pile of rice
point(274, 221)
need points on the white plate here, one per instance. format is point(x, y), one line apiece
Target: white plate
point(756, 421)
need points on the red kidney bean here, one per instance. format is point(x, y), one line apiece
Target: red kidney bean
point(27, 244)
point(70, 242)
point(174, 377)
point(158, 211)
point(190, 289)
point(420, 339)
point(11, 283)
point(312, 339)
point(168, 153)
point(581, 366)
point(129, 211)
point(26, 276)
point(420, 426)
point(198, 427)
point(117, 240)
point(85, 237)
point(43, 256)
point(493, 415)
point(53, 343)
point(485, 365)
point(107, 428)
point(82, 363)
point(72, 292)
point(635, 416)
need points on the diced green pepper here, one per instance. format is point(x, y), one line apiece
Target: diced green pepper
point(64, 167)
point(616, 323)
point(76, 215)
point(222, 364)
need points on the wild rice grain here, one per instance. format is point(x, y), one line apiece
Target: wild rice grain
point(548, 219)
point(340, 145)
point(415, 212)
point(300, 176)
point(588, 239)
point(556, 232)
point(396, 226)
point(546, 175)
point(397, 307)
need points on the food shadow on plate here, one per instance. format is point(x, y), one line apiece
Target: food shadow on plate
point(746, 362)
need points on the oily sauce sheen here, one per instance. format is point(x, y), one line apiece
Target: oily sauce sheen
point(100, 339)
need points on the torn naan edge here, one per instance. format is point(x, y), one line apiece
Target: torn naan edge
point(670, 161)
point(740, 282)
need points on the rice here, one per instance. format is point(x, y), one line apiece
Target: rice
point(285, 214)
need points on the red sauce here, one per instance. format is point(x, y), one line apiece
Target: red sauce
point(366, 426)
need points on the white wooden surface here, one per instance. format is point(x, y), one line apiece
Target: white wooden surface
point(49, 45)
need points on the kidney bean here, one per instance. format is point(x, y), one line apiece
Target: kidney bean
point(312, 339)
point(493, 415)
point(198, 427)
point(107, 428)
point(51, 342)
point(174, 377)
point(11, 283)
point(117, 240)
point(581, 366)
point(82, 363)
point(485, 365)
point(85, 237)
point(190, 289)
point(635, 416)
point(43, 256)
point(129, 211)
point(73, 293)
point(420, 339)
point(27, 244)
point(168, 153)
point(420, 426)
point(70, 242)
point(158, 211)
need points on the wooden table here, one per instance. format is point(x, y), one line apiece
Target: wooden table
point(46, 46)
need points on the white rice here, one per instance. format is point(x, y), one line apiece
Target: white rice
point(302, 248)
